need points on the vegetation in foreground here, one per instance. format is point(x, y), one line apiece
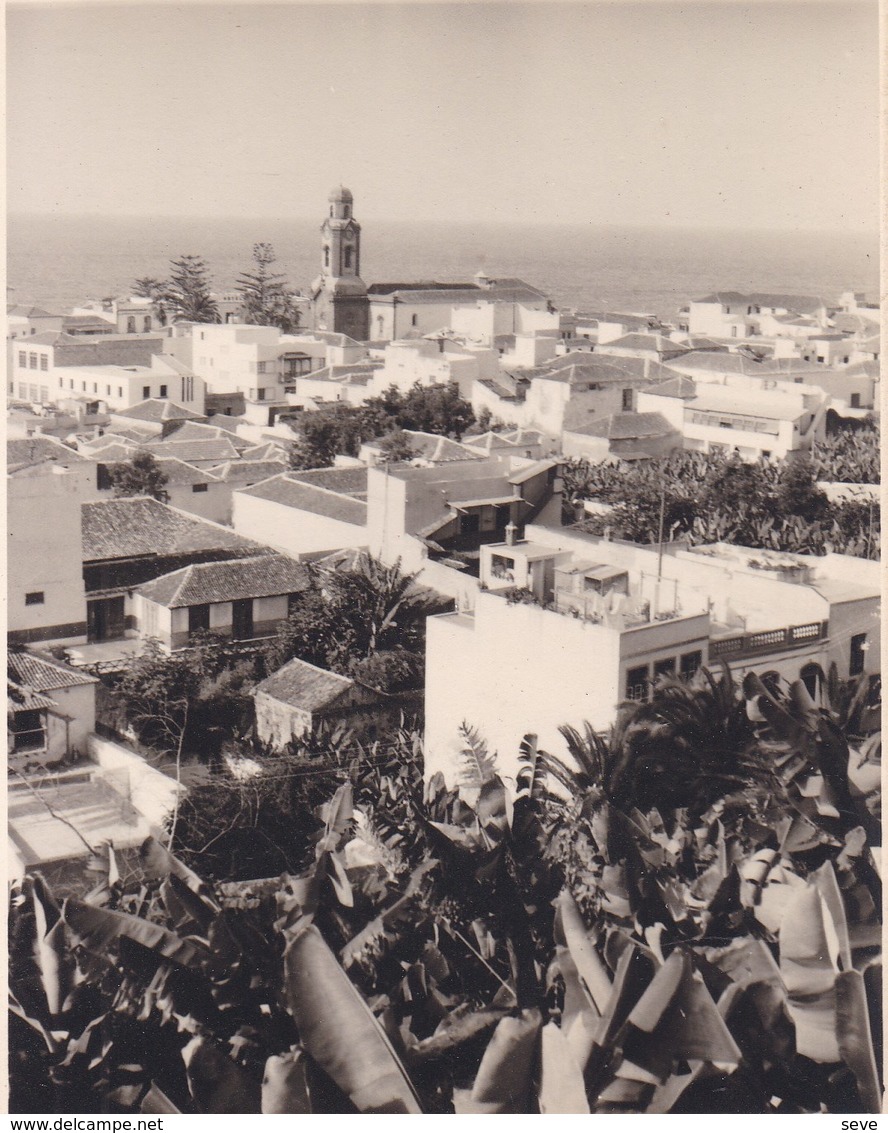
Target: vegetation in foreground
point(685, 919)
point(710, 498)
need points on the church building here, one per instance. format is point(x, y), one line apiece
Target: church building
point(485, 309)
point(339, 295)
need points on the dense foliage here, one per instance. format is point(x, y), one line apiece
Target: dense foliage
point(186, 294)
point(709, 498)
point(850, 455)
point(683, 917)
point(267, 297)
point(341, 429)
point(141, 476)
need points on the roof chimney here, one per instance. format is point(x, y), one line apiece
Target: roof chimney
point(511, 532)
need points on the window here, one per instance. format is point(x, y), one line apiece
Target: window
point(199, 487)
point(260, 394)
point(23, 391)
point(809, 676)
point(71, 383)
point(198, 618)
point(858, 655)
point(690, 663)
point(846, 359)
point(23, 358)
point(733, 332)
point(29, 730)
point(627, 400)
point(131, 325)
point(414, 319)
point(33, 393)
point(163, 391)
point(120, 391)
point(95, 387)
point(35, 598)
point(147, 322)
point(665, 667)
point(83, 387)
point(855, 400)
point(44, 393)
point(260, 367)
point(469, 524)
point(242, 618)
point(326, 256)
point(32, 361)
point(821, 358)
point(44, 362)
point(349, 251)
point(501, 567)
point(293, 603)
point(637, 683)
point(146, 392)
point(346, 211)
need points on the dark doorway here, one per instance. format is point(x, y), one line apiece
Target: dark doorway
point(242, 618)
point(198, 618)
point(105, 619)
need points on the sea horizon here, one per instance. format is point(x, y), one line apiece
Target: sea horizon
point(60, 260)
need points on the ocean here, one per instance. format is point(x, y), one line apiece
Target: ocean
point(60, 261)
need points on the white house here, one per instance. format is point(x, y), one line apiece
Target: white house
point(601, 620)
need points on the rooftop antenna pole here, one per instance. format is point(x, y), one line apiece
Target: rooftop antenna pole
point(660, 552)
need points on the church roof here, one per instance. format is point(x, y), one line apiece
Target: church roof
point(507, 290)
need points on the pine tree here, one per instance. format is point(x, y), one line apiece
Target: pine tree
point(147, 287)
point(267, 298)
point(187, 293)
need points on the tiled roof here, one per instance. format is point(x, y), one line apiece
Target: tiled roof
point(217, 449)
point(248, 471)
point(868, 369)
point(524, 436)
point(54, 338)
point(226, 422)
point(716, 363)
point(268, 450)
point(113, 453)
point(305, 686)
point(626, 426)
point(652, 342)
point(800, 303)
point(198, 431)
point(139, 526)
point(285, 490)
point(507, 290)
point(579, 368)
point(346, 481)
point(87, 321)
point(43, 673)
point(179, 472)
point(489, 441)
point(29, 312)
point(27, 451)
point(19, 699)
point(158, 409)
point(681, 387)
point(203, 583)
point(432, 447)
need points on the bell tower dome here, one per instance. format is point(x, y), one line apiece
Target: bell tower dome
point(339, 295)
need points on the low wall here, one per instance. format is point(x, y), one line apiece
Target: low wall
point(150, 792)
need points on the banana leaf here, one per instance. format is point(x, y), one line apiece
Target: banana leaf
point(218, 1084)
point(505, 1077)
point(158, 862)
point(590, 968)
point(561, 1088)
point(99, 931)
point(339, 1031)
point(156, 1101)
point(51, 955)
point(854, 1035)
point(284, 1084)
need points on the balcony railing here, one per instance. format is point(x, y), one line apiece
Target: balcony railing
point(768, 641)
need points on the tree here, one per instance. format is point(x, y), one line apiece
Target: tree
point(797, 492)
point(187, 292)
point(147, 287)
point(141, 476)
point(396, 446)
point(267, 298)
point(334, 430)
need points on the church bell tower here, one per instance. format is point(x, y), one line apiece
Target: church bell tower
point(339, 295)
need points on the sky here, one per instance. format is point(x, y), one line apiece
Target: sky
point(759, 114)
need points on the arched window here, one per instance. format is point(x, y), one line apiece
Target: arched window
point(131, 325)
point(380, 323)
point(414, 319)
point(326, 256)
point(147, 322)
point(346, 211)
point(810, 677)
point(348, 255)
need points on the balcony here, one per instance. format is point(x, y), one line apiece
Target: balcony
point(767, 641)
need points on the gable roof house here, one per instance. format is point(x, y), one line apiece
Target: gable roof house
point(305, 514)
point(295, 701)
point(622, 436)
point(128, 542)
point(51, 708)
point(244, 599)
